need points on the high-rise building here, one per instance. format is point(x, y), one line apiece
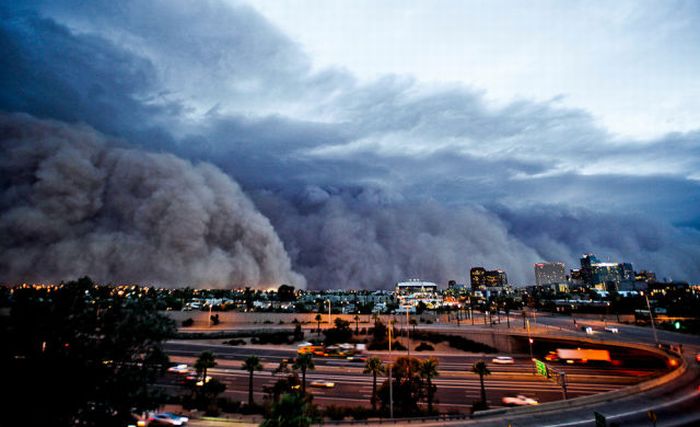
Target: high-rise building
point(495, 278)
point(646, 276)
point(610, 276)
point(587, 268)
point(547, 273)
point(477, 277)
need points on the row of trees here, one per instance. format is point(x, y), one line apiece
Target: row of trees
point(412, 381)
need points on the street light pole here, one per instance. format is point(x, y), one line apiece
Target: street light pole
point(391, 386)
point(651, 316)
point(529, 340)
point(329, 311)
point(408, 333)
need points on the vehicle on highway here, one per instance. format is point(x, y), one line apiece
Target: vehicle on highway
point(322, 384)
point(503, 360)
point(167, 419)
point(587, 329)
point(579, 355)
point(612, 329)
point(519, 400)
point(697, 357)
point(307, 348)
point(179, 369)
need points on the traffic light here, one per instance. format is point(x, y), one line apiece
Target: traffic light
point(677, 324)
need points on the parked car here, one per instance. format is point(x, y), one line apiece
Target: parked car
point(167, 419)
point(519, 400)
point(322, 384)
point(503, 360)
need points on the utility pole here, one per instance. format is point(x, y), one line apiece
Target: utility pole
point(391, 386)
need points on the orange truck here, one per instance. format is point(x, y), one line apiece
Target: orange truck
point(579, 355)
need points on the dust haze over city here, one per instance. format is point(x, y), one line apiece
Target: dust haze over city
point(327, 145)
point(286, 213)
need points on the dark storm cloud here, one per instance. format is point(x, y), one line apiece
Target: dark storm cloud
point(72, 205)
point(564, 233)
point(350, 172)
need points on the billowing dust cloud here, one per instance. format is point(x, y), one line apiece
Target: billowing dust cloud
point(72, 204)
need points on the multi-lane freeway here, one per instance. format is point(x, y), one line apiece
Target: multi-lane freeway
point(674, 404)
point(457, 387)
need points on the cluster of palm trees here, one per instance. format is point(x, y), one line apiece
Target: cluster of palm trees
point(427, 370)
point(302, 363)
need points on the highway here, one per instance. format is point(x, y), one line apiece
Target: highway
point(674, 404)
point(457, 387)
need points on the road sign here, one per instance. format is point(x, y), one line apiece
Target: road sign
point(600, 420)
point(541, 368)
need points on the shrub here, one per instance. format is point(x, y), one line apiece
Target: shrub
point(212, 410)
point(384, 345)
point(360, 412)
point(335, 413)
point(214, 319)
point(187, 322)
point(423, 346)
point(229, 405)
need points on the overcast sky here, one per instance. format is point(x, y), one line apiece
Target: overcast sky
point(633, 65)
point(387, 140)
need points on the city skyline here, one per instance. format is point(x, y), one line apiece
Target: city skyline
point(233, 142)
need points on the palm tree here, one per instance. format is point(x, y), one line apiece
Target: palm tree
point(205, 361)
point(428, 371)
point(481, 369)
point(304, 362)
point(318, 319)
point(375, 367)
point(291, 410)
point(251, 364)
point(357, 324)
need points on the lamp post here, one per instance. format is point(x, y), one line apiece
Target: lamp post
point(329, 311)
point(391, 386)
point(651, 316)
point(408, 330)
point(529, 340)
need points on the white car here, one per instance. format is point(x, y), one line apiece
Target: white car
point(322, 383)
point(179, 369)
point(167, 419)
point(503, 360)
point(519, 400)
point(588, 330)
point(612, 330)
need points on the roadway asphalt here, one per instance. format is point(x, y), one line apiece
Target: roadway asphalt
point(457, 387)
point(674, 404)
